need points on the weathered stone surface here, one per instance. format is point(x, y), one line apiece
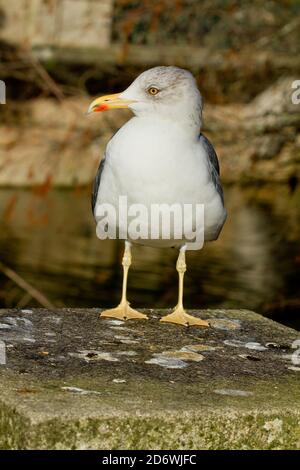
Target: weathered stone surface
point(72, 380)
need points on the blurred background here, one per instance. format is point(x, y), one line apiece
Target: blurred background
point(55, 55)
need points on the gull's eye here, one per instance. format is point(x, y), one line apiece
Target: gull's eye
point(153, 90)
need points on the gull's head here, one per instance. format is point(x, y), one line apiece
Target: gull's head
point(160, 92)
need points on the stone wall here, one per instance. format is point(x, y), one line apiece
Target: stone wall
point(55, 142)
point(64, 23)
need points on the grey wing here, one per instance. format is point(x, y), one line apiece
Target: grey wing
point(97, 179)
point(96, 184)
point(213, 163)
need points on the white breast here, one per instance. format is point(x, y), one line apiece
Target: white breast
point(154, 162)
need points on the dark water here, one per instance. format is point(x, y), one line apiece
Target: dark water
point(49, 239)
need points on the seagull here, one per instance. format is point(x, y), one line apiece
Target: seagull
point(160, 156)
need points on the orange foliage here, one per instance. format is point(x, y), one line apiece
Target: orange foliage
point(44, 188)
point(10, 208)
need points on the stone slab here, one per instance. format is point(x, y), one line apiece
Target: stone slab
point(69, 380)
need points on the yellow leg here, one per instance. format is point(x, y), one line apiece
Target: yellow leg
point(179, 315)
point(123, 311)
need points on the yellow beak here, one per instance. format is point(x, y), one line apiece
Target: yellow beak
point(108, 102)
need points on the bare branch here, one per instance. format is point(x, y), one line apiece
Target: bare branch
point(32, 291)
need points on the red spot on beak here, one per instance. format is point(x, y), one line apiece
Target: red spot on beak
point(101, 107)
